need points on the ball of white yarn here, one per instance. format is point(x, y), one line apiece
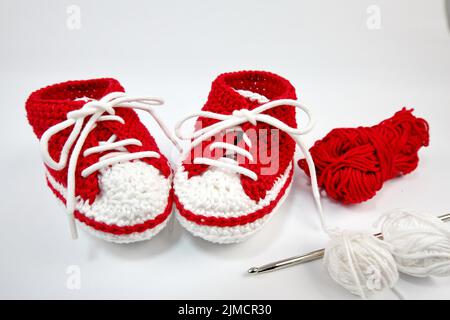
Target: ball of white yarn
point(420, 243)
point(360, 262)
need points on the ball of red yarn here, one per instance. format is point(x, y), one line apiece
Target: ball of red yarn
point(353, 163)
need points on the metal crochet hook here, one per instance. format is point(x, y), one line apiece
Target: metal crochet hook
point(311, 256)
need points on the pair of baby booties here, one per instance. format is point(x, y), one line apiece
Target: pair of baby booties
point(106, 168)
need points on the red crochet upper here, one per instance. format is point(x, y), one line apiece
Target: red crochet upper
point(224, 99)
point(49, 106)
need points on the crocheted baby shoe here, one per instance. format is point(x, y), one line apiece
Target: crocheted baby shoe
point(101, 161)
point(239, 166)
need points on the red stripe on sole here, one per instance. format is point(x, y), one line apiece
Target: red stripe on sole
point(120, 230)
point(233, 221)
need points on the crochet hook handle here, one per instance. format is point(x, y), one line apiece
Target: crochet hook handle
point(311, 256)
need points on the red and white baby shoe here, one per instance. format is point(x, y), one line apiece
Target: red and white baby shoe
point(101, 161)
point(238, 168)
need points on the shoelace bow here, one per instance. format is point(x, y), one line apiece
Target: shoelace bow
point(95, 110)
point(234, 121)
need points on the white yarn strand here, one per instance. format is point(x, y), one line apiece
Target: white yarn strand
point(94, 110)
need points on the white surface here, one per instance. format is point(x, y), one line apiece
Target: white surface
point(348, 74)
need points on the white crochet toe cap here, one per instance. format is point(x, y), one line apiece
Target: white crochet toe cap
point(131, 193)
point(216, 192)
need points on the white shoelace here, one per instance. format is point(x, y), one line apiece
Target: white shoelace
point(234, 121)
point(95, 110)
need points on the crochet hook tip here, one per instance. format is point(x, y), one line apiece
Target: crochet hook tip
point(265, 268)
point(253, 270)
point(281, 264)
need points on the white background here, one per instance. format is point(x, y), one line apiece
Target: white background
point(348, 74)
